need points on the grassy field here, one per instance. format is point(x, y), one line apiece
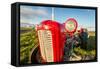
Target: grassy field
point(28, 39)
point(91, 33)
point(91, 46)
point(91, 41)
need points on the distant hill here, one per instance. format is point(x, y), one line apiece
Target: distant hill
point(91, 33)
point(26, 25)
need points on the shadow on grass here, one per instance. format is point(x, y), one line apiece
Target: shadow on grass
point(88, 53)
point(91, 43)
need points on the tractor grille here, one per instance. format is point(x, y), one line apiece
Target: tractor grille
point(46, 45)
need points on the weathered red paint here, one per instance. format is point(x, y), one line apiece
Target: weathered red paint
point(58, 36)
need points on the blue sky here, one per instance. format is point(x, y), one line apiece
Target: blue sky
point(34, 15)
point(84, 17)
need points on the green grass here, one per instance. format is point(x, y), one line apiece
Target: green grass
point(82, 52)
point(91, 46)
point(91, 33)
point(25, 28)
point(91, 43)
point(27, 42)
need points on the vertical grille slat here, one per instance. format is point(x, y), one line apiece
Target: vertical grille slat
point(46, 45)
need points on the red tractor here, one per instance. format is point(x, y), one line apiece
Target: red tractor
point(52, 38)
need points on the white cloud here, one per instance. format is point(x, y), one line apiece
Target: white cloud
point(30, 13)
point(26, 10)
